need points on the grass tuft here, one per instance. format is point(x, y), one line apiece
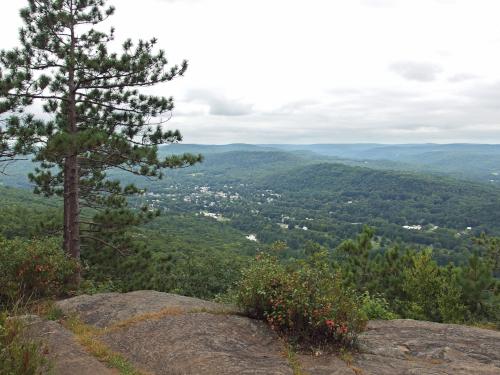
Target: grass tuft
point(87, 336)
point(168, 311)
point(293, 360)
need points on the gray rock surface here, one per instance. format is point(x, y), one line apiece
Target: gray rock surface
point(185, 336)
point(201, 343)
point(410, 347)
point(431, 348)
point(179, 335)
point(104, 310)
point(66, 355)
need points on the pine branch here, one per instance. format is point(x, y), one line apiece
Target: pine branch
point(104, 243)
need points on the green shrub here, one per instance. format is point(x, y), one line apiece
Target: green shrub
point(422, 284)
point(17, 354)
point(376, 307)
point(33, 269)
point(305, 302)
point(95, 287)
point(432, 292)
point(449, 300)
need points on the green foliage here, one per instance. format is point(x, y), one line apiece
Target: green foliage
point(24, 215)
point(198, 256)
point(202, 275)
point(422, 284)
point(376, 307)
point(400, 198)
point(384, 200)
point(450, 298)
point(181, 254)
point(18, 355)
point(185, 254)
point(304, 301)
point(492, 251)
point(97, 116)
point(297, 190)
point(33, 269)
point(356, 254)
point(90, 287)
point(416, 287)
point(92, 94)
point(433, 292)
point(480, 289)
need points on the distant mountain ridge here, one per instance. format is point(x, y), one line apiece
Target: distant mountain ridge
point(476, 162)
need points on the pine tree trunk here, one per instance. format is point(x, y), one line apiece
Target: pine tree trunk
point(72, 213)
point(74, 208)
point(72, 170)
point(66, 207)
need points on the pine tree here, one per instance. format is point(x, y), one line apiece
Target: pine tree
point(13, 143)
point(7, 153)
point(5, 145)
point(478, 286)
point(98, 118)
point(356, 254)
point(492, 251)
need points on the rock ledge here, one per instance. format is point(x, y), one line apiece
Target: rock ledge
point(163, 333)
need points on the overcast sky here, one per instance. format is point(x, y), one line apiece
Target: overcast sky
point(322, 71)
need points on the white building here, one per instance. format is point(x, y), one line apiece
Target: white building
point(252, 237)
point(412, 227)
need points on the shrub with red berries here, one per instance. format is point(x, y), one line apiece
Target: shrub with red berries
point(33, 269)
point(304, 301)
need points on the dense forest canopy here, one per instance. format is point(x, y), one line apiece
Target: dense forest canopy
point(274, 194)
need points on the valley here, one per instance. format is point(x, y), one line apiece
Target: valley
point(296, 194)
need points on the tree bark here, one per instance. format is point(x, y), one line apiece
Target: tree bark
point(72, 170)
point(66, 206)
point(73, 208)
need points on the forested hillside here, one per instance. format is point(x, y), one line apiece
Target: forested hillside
point(275, 195)
point(216, 215)
point(400, 198)
point(302, 196)
point(478, 163)
point(178, 252)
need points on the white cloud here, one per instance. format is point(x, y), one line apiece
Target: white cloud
point(379, 3)
point(462, 77)
point(417, 71)
point(317, 70)
point(218, 104)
